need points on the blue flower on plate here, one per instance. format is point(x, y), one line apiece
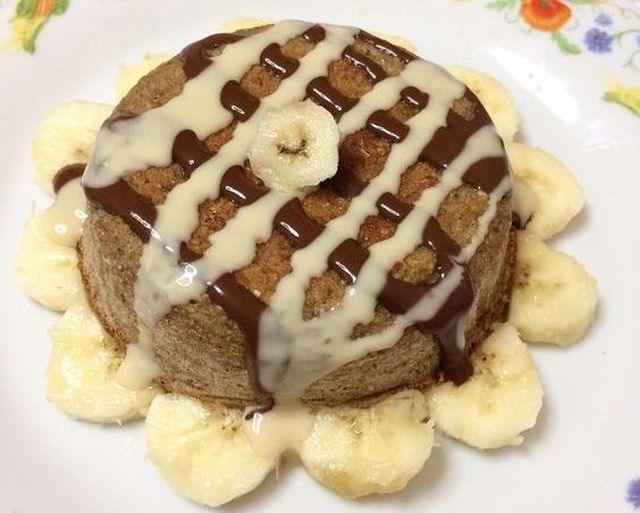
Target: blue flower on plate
point(638, 39)
point(597, 41)
point(633, 493)
point(604, 20)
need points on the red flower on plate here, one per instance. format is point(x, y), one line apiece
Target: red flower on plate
point(545, 15)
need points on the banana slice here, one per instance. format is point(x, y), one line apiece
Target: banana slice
point(500, 401)
point(81, 373)
point(203, 452)
point(554, 299)
point(559, 195)
point(46, 270)
point(378, 449)
point(296, 146)
point(495, 98)
point(66, 136)
point(128, 76)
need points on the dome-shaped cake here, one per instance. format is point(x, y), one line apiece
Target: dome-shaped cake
point(382, 277)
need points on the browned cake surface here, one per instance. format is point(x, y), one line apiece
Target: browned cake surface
point(201, 351)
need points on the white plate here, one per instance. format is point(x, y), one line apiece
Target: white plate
point(586, 448)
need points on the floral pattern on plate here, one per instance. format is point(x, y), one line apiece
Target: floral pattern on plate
point(28, 19)
point(598, 27)
point(633, 493)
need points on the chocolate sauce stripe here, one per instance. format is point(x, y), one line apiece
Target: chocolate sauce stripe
point(238, 101)
point(122, 200)
point(385, 125)
point(194, 57)
point(374, 72)
point(279, 64)
point(449, 141)
point(324, 94)
point(189, 152)
point(67, 174)
point(245, 309)
point(314, 34)
point(386, 47)
point(237, 187)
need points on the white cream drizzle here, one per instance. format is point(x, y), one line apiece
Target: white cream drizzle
point(292, 352)
point(64, 219)
point(283, 428)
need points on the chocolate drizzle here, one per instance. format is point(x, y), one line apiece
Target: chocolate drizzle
point(67, 174)
point(346, 184)
point(385, 125)
point(347, 260)
point(315, 34)
point(196, 57)
point(278, 63)
point(413, 97)
point(293, 222)
point(487, 173)
point(449, 141)
point(244, 308)
point(189, 151)
point(121, 200)
point(374, 72)
point(325, 95)
point(386, 47)
point(238, 101)
point(454, 364)
point(237, 187)
point(392, 208)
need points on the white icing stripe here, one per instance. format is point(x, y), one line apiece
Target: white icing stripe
point(63, 220)
point(161, 283)
point(147, 139)
point(485, 219)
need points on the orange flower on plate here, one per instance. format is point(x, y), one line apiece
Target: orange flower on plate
point(545, 15)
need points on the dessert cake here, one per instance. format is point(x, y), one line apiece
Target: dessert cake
point(381, 277)
point(301, 238)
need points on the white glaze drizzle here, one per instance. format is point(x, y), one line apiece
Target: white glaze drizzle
point(64, 219)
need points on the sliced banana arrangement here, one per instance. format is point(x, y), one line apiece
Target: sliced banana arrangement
point(203, 452)
point(559, 197)
point(65, 137)
point(378, 449)
point(46, 270)
point(554, 299)
point(494, 97)
point(81, 374)
point(499, 402)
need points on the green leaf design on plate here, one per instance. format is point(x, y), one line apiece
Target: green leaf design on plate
point(564, 44)
point(29, 18)
point(60, 7)
point(626, 96)
point(500, 5)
